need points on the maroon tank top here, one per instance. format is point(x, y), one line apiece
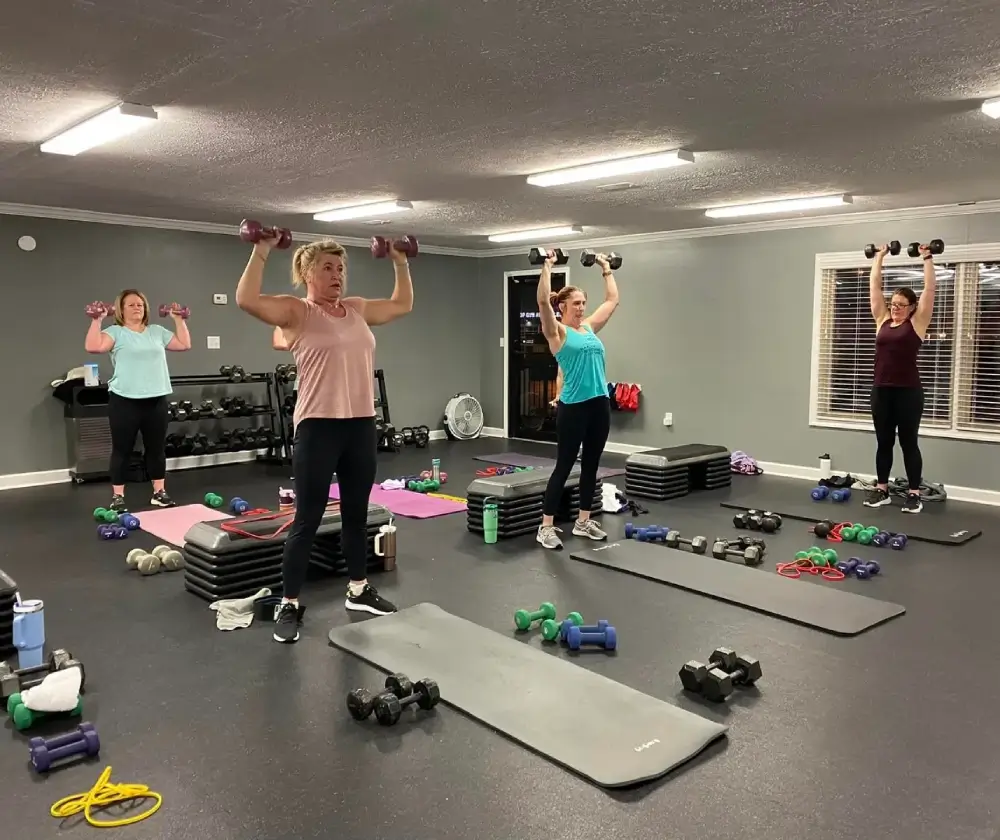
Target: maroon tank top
point(896, 351)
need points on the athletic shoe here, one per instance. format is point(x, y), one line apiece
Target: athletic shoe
point(912, 503)
point(877, 498)
point(118, 504)
point(369, 601)
point(588, 528)
point(161, 499)
point(547, 536)
point(287, 620)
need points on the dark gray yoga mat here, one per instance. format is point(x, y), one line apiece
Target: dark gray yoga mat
point(517, 459)
point(821, 606)
point(608, 733)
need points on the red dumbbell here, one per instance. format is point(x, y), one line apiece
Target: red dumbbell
point(184, 311)
point(253, 231)
point(99, 309)
point(407, 245)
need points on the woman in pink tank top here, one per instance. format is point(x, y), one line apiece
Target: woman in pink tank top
point(331, 340)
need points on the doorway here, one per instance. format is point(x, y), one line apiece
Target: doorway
point(531, 368)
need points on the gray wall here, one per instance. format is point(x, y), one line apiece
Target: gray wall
point(427, 356)
point(718, 330)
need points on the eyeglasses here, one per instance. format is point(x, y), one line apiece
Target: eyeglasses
point(900, 305)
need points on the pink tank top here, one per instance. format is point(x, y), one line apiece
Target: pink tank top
point(336, 361)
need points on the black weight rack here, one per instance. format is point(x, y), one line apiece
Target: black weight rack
point(221, 437)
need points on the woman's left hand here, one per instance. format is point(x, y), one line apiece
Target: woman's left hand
point(175, 311)
point(602, 261)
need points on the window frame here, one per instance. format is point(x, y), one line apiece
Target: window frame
point(954, 254)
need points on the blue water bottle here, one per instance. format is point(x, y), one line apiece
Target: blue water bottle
point(29, 633)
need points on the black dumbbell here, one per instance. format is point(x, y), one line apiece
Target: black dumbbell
point(894, 249)
point(699, 545)
point(751, 555)
point(538, 256)
point(756, 520)
point(936, 247)
point(694, 675)
point(721, 681)
point(421, 436)
point(172, 410)
point(588, 258)
point(14, 681)
point(389, 706)
point(361, 701)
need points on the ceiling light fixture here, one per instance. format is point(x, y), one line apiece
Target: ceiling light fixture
point(790, 205)
point(991, 107)
point(612, 168)
point(363, 211)
point(536, 235)
point(106, 127)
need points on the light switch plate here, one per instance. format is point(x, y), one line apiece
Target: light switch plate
point(221, 300)
point(213, 342)
point(668, 419)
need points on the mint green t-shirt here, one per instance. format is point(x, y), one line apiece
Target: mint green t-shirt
point(140, 360)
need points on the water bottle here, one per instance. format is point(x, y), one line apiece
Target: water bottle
point(29, 633)
point(436, 469)
point(825, 466)
point(489, 520)
point(385, 546)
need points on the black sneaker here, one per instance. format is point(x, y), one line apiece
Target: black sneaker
point(912, 503)
point(161, 499)
point(287, 620)
point(118, 504)
point(877, 498)
point(369, 601)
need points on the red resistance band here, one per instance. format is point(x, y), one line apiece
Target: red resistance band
point(233, 526)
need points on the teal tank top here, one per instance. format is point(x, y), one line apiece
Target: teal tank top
point(582, 361)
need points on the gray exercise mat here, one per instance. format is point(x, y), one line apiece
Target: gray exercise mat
point(517, 459)
point(546, 702)
point(821, 606)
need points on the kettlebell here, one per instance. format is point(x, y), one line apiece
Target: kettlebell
point(385, 545)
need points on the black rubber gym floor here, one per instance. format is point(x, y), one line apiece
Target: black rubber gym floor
point(891, 734)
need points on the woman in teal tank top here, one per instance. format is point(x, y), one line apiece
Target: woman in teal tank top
point(583, 412)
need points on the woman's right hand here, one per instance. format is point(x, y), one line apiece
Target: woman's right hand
point(264, 245)
point(882, 251)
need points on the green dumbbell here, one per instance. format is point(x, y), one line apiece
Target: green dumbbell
point(552, 628)
point(213, 500)
point(25, 718)
point(523, 619)
point(105, 515)
point(866, 536)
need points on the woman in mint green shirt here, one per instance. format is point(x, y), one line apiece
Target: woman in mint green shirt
point(138, 389)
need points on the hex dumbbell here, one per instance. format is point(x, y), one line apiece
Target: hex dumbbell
point(523, 619)
point(14, 681)
point(389, 705)
point(699, 545)
point(894, 248)
point(935, 246)
point(81, 741)
point(752, 555)
point(361, 701)
point(606, 637)
point(538, 256)
point(588, 258)
point(720, 685)
point(253, 231)
point(407, 245)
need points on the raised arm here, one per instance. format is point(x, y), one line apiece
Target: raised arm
point(181, 340)
point(277, 310)
point(875, 294)
point(550, 326)
point(604, 312)
point(97, 341)
point(925, 306)
point(383, 310)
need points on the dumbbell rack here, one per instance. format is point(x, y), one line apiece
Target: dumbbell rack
point(266, 409)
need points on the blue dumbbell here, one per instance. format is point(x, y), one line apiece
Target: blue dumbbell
point(606, 637)
point(630, 530)
point(867, 570)
point(841, 494)
point(819, 493)
point(128, 521)
point(238, 505)
point(593, 628)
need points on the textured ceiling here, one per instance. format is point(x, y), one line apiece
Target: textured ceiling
point(281, 108)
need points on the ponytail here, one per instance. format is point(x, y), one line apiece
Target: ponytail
point(554, 300)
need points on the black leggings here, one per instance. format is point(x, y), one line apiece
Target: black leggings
point(324, 446)
point(128, 418)
point(898, 409)
point(585, 423)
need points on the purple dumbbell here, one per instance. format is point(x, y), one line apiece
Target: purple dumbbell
point(165, 310)
point(81, 741)
point(606, 637)
point(593, 628)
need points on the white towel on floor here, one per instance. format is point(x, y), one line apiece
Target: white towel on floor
point(234, 613)
point(58, 692)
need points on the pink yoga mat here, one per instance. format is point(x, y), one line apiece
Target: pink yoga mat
point(408, 503)
point(171, 524)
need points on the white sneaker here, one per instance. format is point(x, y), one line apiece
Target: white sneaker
point(589, 529)
point(547, 536)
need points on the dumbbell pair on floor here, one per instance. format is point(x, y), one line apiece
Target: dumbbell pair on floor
point(935, 246)
point(388, 705)
point(570, 630)
point(538, 256)
point(757, 520)
point(725, 672)
point(837, 494)
point(163, 558)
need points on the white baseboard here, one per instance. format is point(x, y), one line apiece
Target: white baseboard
point(959, 494)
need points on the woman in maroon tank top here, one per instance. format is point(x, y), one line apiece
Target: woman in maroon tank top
point(897, 393)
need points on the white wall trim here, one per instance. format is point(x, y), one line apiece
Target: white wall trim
point(827, 220)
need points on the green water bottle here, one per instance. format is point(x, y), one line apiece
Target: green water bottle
point(489, 520)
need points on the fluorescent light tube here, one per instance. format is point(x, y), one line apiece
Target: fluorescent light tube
point(612, 168)
point(991, 107)
point(363, 211)
point(106, 127)
point(539, 235)
point(764, 208)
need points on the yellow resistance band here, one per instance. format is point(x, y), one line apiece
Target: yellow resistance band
point(103, 795)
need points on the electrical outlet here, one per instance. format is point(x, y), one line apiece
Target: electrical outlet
point(668, 419)
point(213, 342)
point(221, 300)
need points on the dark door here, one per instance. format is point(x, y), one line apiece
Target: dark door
point(531, 368)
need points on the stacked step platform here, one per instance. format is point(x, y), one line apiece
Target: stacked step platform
point(8, 594)
point(674, 472)
point(518, 497)
point(223, 564)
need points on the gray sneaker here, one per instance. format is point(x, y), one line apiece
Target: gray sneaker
point(547, 536)
point(589, 529)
